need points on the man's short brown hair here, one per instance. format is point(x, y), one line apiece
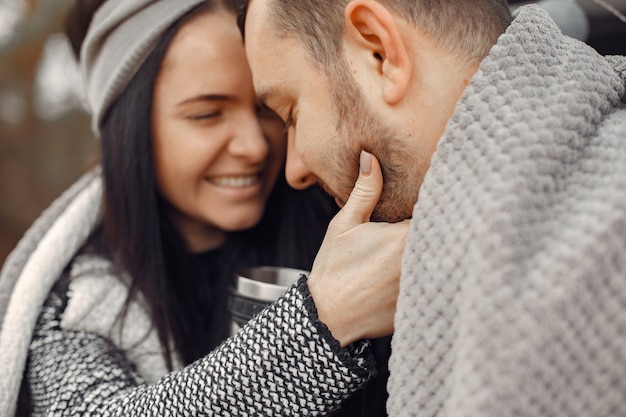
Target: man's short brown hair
point(468, 28)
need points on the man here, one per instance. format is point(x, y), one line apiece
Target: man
point(514, 136)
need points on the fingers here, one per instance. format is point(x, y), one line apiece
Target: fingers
point(364, 196)
point(355, 279)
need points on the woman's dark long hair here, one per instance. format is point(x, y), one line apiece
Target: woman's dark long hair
point(144, 243)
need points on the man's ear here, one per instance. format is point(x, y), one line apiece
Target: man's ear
point(373, 34)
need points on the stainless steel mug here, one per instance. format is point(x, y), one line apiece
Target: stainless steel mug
point(256, 288)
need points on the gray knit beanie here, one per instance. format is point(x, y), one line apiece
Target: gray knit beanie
point(121, 36)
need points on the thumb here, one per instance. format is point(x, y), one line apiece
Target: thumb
point(364, 195)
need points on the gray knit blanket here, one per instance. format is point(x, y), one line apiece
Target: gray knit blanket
point(513, 295)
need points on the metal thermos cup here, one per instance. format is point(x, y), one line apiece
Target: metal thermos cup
point(257, 287)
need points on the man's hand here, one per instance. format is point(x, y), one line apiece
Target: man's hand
point(355, 277)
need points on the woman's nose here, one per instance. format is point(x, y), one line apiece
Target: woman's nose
point(297, 173)
point(248, 140)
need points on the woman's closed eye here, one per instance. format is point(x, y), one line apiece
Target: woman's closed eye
point(205, 115)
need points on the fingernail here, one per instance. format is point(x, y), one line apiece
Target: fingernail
point(365, 163)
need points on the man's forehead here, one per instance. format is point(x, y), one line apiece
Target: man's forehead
point(250, 11)
point(265, 56)
point(268, 85)
point(271, 57)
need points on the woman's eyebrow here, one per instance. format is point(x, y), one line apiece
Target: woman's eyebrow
point(207, 97)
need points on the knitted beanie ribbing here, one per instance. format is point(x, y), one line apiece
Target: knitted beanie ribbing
point(121, 36)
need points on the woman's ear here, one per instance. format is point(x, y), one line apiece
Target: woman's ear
point(377, 49)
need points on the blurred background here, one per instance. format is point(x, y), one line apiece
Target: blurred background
point(45, 138)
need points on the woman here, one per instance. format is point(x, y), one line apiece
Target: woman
point(139, 257)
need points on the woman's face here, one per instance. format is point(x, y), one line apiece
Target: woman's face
point(217, 156)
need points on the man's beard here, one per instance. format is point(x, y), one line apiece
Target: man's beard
point(359, 128)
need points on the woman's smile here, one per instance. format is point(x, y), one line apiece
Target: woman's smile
point(235, 181)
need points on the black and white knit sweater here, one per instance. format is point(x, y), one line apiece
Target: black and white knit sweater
point(282, 364)
point(77, 362)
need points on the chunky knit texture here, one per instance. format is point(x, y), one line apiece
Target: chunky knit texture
point(513, 294)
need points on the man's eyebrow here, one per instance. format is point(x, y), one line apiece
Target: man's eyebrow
point(265, 94)
point(206, 97)
point(242, 10)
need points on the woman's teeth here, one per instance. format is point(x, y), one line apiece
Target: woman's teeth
point(234, 182)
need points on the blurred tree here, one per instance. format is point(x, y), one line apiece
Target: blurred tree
point(45, 138)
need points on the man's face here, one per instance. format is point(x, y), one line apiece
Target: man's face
point(329, 122)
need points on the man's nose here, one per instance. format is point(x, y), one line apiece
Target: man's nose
point(297, 174)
